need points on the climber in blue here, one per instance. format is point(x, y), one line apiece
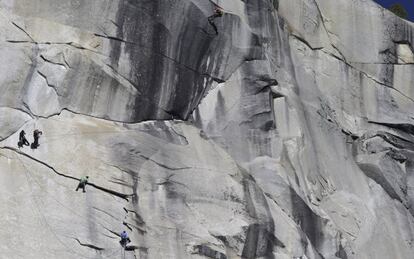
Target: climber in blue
point(218, 12)
point(124, 239)
point(22, 140)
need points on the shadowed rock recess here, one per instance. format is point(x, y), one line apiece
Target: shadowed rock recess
point(288, 135)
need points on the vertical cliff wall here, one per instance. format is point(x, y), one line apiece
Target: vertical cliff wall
point(289, 134)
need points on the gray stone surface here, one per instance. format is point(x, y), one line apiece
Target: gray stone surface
point(290, 134)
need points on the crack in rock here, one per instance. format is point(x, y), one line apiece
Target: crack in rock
point(164, 166)
point(115, 193)
point(24, 31)
point(305, 42)
point(179, 135)
point(70, 44)
point(138, 217)
point(343, 59)
point(132, 248)
point(206, 251)
point(89, 245)
point(106, 213)
point(54, 87)
point(404, 127)
point(52, 62)
point(131, 226)
point(368, 76)
point(159, 54)
point(125, 78)
point(29, 111)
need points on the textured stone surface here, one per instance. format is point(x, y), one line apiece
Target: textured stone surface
point(290, 134)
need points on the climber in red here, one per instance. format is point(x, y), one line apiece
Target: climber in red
point(218, 12)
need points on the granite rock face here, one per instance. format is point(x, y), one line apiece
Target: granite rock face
point(290, 134)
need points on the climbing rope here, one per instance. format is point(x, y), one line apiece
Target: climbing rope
point(41, 214)
point(29, 177)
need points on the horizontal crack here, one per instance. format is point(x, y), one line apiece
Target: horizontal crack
point(70, 44)
point(19, 41)
point(115, 193)
point(381, 63)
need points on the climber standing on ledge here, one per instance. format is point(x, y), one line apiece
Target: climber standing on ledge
point(36, 135)
point(124, 239)
point(22, 140)
point(218, 12)
point(82, 183)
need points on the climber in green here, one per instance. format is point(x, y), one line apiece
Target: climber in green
point(218, 12)
point(82, 183)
